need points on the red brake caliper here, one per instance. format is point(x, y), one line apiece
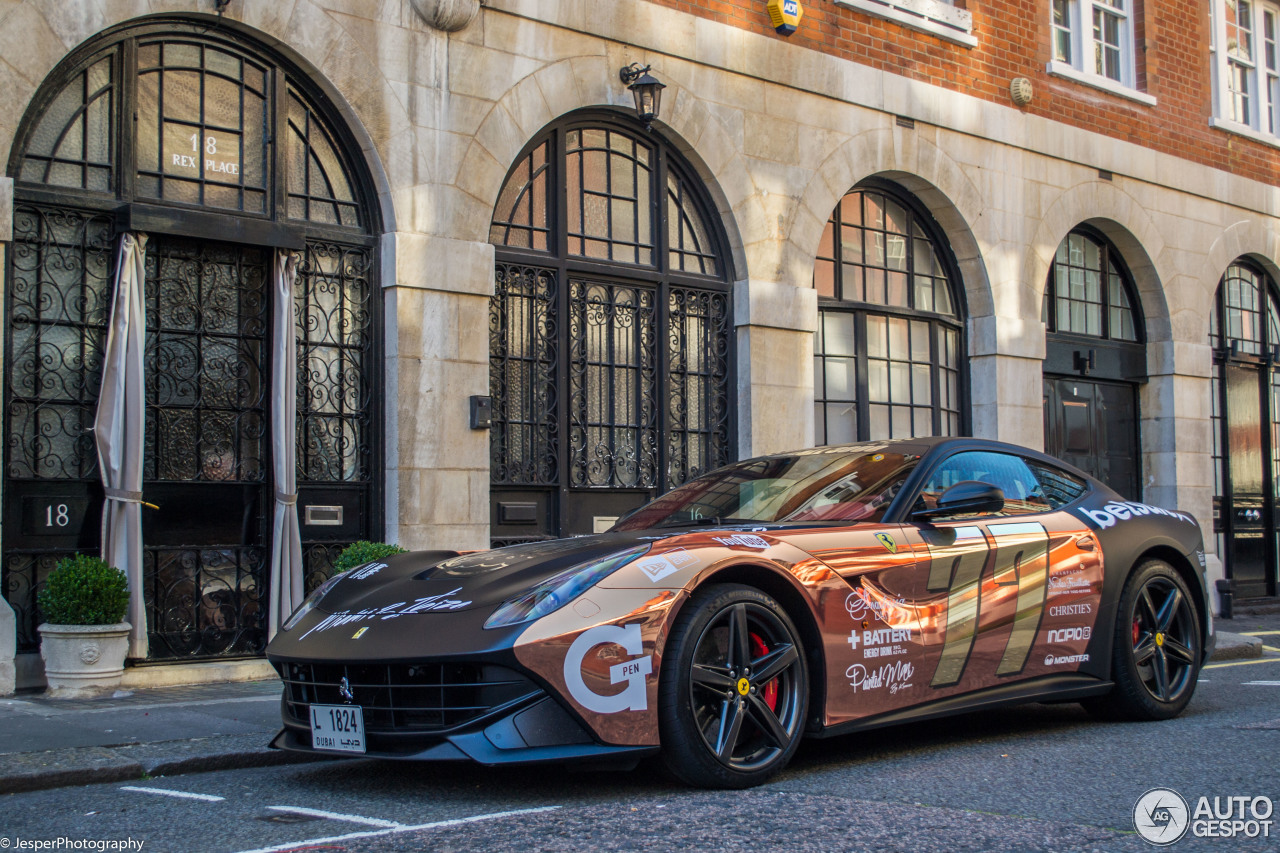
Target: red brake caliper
point(769, 693)
point(1136, 630)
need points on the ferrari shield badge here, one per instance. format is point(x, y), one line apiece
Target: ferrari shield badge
point(887, 541)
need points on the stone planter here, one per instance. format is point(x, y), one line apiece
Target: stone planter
point(81, 661)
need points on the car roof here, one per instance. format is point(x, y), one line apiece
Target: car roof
point(923, 445)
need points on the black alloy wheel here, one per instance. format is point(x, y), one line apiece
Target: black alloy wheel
point(1157, 647)
point(1164, 634)
point(733, 702)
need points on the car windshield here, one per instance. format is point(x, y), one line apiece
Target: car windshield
point(817, 486)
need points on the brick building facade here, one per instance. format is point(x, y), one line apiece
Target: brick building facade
point(850, 232)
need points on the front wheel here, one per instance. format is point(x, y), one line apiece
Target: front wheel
point(734, 691)
point(1155, 657)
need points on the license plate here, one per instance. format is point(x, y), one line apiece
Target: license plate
point(339, 728)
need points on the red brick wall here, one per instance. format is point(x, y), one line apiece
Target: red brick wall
point(1171, 47)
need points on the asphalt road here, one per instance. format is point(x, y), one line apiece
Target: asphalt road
point(1039, 777)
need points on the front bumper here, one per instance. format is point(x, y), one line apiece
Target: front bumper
point(480, 712)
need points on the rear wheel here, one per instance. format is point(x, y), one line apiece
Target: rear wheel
point(734, 691)
point(1155, 657)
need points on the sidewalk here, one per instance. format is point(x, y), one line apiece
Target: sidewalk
point(46, 743)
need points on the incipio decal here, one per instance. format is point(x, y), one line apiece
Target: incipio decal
point(633, 672)
point(657, 568)
point(1125, 510)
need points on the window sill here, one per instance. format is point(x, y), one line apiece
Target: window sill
point(1244, 130)
point(1097, 81)
point(930, 16)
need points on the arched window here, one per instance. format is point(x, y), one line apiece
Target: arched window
point(1094, 360)
point(1245, 335)
point(609, 329)
point(1089, 291)
point(889, 337)
point(220, 151)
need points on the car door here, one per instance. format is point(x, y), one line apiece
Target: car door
point(1000, 586)
point(994, 598)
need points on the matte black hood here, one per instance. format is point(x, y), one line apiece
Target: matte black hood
point(444, 580)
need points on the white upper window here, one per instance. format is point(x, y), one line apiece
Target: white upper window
point(1093, 44)
point(1245, 66)
point(939, 17)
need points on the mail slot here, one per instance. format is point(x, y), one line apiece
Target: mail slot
point(322, 516)
point(517, 513)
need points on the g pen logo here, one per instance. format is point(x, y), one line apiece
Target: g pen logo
point(634, 672)
point(1161, 816)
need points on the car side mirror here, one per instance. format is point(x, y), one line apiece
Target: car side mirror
point(968, 497)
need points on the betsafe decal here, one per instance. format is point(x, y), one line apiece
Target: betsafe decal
point(1115, 511)
point(633, 672)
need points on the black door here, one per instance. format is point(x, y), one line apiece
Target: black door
point(206, 548)
point(1093, 425)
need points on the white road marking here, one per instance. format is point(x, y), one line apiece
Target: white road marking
point(1264, 683)
point(349, 818)
point(1243, 663)
point(208, 798)
point(294, 845)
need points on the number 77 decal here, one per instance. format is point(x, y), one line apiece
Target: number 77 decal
point(956, 565)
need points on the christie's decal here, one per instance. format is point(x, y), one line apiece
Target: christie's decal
point(1071, 610)
point(633, 672)
point(1125, 510)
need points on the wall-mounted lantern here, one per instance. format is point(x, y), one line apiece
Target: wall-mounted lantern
point(646, 89)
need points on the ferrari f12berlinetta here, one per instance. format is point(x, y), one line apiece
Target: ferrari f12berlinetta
point(805, 594)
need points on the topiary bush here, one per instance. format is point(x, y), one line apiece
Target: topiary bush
point(84, 590)
point(359, 553)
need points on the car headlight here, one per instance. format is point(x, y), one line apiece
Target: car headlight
point(557, 591)
point(311, 601)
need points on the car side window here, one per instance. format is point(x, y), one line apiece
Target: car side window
point(1023, 492)
point(1059, 487)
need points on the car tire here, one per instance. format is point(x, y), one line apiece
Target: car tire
point(1156, 647)
point(722, 725)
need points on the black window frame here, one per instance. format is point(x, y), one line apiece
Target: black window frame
point(562, 272)
point(862, 310)
point(123, 209)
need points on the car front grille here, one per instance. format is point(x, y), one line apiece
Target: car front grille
point(403, 697)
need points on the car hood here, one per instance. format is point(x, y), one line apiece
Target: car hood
point(446, 580)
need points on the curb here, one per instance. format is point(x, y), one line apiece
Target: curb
point(61, 768)
point(1236, 647)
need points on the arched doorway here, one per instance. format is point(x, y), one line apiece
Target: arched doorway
point(1245, 336)
point(1094, 361)
point(221, 152)
point(610, 331)
point(887, 353)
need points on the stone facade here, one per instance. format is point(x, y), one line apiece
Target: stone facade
point(779, 130)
